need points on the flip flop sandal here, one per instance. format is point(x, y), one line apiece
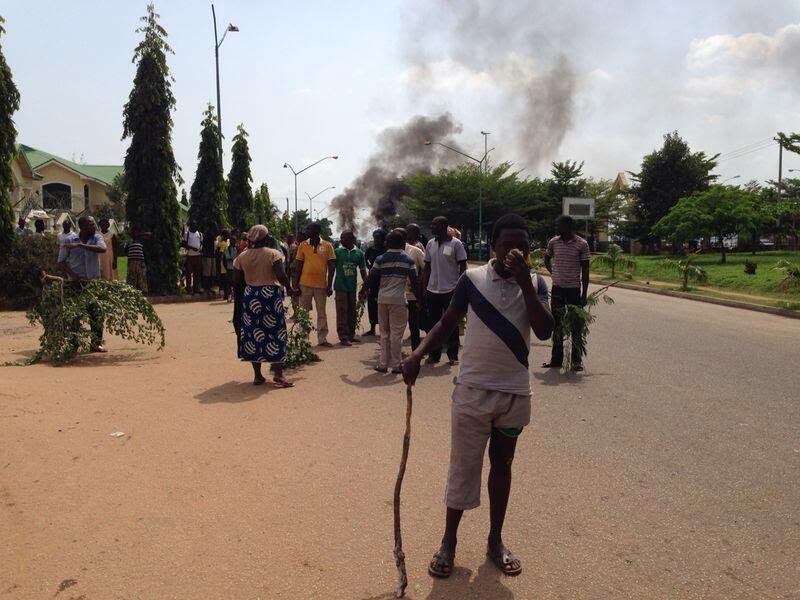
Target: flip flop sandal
point(577, 368)
point(258, 381)
point(282, 383)
point(442, 559)
point(503, 559)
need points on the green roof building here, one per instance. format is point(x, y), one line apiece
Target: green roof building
point(61, 188)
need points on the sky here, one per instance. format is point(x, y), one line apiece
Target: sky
point(599, 82)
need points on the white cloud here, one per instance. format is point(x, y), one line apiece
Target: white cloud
point(748, 55)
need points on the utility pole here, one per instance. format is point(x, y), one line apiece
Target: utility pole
point(780, 164)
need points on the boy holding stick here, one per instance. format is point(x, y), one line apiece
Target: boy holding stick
point(492, 397)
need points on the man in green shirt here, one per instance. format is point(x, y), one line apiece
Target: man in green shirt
point(349, 260)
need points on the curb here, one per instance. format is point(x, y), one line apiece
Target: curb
point(781, 312)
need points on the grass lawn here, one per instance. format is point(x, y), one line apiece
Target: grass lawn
point(729, 277)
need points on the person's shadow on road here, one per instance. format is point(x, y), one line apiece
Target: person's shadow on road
point(373, 380)
point(557, 377)
point(234, 392)
point(487, 584)
point(113, 358)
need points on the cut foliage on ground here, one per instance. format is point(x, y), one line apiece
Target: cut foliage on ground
point(65, 312)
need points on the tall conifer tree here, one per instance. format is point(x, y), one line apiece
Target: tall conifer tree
point(9, 104)
point(240, 193)
point(207, 194)
point(150, 167)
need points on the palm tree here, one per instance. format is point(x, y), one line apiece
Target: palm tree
point(687, 270)
point(791, 274)
point(614, 258)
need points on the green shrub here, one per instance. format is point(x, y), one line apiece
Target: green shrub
point(750, 266)
point(20, 269)
point(791, 275)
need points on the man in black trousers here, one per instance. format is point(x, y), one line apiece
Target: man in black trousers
point(570, 284)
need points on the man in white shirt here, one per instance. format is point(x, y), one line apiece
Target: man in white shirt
point(193, 242)
point(62, 237)
point(79, 259)
point(445, 261)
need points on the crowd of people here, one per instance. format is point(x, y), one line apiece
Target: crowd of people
point(404, 283)
point(407, 282)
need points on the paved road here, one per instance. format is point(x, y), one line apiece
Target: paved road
point(669, 469)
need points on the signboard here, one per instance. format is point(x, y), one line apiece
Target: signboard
point(581, 209)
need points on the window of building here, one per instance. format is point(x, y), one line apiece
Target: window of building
point(56, 195)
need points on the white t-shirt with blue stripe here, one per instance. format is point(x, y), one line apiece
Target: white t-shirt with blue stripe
point(498, 336)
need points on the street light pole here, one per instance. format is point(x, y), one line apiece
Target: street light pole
point(482, 167)
point(311, 198)
point(729, 178)
point(481, 162)
point(217, 44)
point(286, 165)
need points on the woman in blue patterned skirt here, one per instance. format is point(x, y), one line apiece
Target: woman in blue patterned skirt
point(261, 317)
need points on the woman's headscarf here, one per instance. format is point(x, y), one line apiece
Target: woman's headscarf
point(257, 233)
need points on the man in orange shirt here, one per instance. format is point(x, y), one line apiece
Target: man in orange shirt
point(316, 265)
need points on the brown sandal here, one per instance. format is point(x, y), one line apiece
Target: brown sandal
point(441, 566)
point(504, 560)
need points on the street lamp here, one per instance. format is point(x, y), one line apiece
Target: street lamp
point(286, 165)
point(319, 212)
point(729, 178)
point(217, 44)
point(481, 162)
point(311, 198)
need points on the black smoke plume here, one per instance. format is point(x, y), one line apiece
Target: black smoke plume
point(517, 52)
point(401, 151)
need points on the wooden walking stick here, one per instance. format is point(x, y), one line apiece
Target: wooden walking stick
point(399, 556)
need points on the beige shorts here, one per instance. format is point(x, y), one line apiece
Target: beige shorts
point(474, 413)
